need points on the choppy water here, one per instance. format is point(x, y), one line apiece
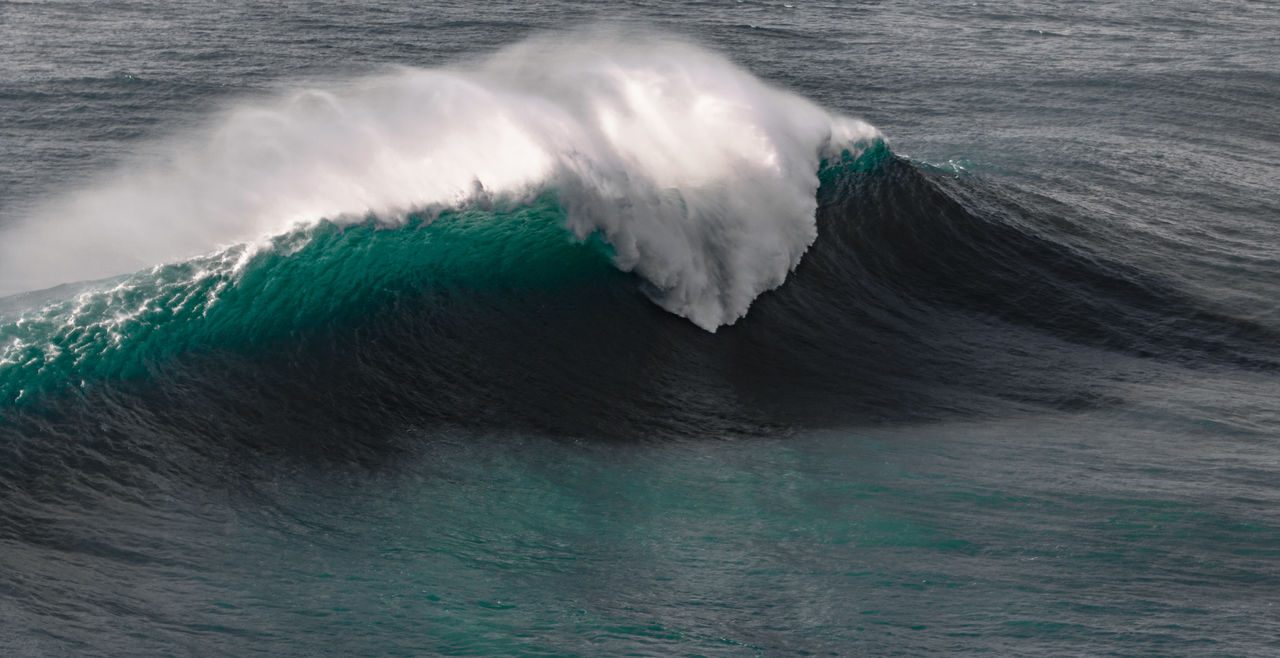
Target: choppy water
point(422, 328)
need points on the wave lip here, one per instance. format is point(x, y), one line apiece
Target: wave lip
point(701, 177)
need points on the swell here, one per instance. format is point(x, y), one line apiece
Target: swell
point(912, 238)
point(925, 295)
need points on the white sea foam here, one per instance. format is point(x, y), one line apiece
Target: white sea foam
point(701, 176)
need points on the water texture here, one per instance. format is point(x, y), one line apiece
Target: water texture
point(655, 328)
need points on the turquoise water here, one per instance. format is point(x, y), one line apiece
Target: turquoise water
point(1018, 396)
point(254, 296)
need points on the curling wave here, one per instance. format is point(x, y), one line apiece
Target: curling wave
point(925, 294)
point(476, 246)
point(701, 177)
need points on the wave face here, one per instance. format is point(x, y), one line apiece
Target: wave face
point(251, 296)
point(926, 295)
point(700, 177)
point(433, 217)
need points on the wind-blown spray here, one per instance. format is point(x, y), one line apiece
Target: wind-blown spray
point(700, 176)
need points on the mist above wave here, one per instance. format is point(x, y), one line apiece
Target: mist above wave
point(700, 176)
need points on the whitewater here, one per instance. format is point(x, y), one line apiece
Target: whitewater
point(701, 177)
point(569, 328)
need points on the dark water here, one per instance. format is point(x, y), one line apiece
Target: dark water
point(1020, 396)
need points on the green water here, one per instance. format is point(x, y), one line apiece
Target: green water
point(248, 298)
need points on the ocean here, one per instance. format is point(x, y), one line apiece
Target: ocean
point(647, 328)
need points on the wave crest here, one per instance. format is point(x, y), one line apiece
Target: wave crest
point(700, 176)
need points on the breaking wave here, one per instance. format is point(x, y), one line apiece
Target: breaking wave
point(700, 177)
